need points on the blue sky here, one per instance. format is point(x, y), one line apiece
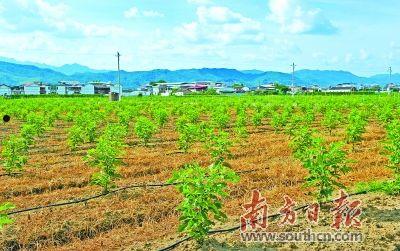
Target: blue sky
point(357, 35)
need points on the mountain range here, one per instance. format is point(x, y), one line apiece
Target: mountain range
point(13, 72)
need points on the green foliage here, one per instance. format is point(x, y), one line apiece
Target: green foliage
point(28, 132)
point(391, 187)
point(325, 164)
point(75, 137)
point(302, 139)
point(393, 146)
point(386, 114)
point(14, 154)
point(4, 219)
point(240, 125)
point(355, 128)
point(161, 117)
point(37, 121)
point(220, 118)
point(105, 156)
point(294, 124)
point(124, 117)
point(257, 118)
point(331, 120)
point(188, 134)
point(219, 144)
point(145, 129)
point(203, 189)
point(278, 121)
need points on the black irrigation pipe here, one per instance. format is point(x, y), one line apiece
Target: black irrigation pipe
point(9, 174)
point(234, 228)
point(76, 201)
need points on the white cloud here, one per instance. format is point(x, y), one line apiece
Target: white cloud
point(200, 2)
point(132, 12)
point(221, 25)
point(294, 18)
point(218, 14)
point(47, 10)
point(93, 30)
point(135, 12)
point(152, 13)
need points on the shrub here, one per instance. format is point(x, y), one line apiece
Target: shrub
point(105, 156)
point(4, 219)
point(14, 153)
point(161, 117)
point(218, 144)
point(331, 120)
point(325, 164)
point(278, 121)
point(188, 134)
point(257, 118)
point(221, 118)
point(203, 189)
point(145, 129)
point(75, 137)
point(240, 125)
point(393, 146)
point(302, 140)
point(356, 127)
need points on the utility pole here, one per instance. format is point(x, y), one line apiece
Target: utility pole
point(390, 74)
point(293, 68)
point(119, 73)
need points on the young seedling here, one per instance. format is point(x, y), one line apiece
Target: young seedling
point(325, 164)
point(105, 157)
point(218, 144)
point(393, 147)
point(15, 154)
point(4, 219)
point(203, 189)
point(331, 120)
point(145, 129)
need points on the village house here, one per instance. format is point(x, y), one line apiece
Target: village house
point(17, 90)
point(313, 88)
point(392, 88)
point(138, 92)
point(35, 88)
point(271, 87)
point(342, 88)
point(68, 87)
point(5, 90)
point(101, 88)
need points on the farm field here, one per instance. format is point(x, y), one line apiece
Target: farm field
point(121, 157)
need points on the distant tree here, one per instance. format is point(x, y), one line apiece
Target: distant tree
point(237, 85)
point(281, 88)
point(154, 83)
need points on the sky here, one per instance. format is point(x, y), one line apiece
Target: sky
point(360, 36)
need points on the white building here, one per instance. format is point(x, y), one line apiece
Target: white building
point(87, 89)
point(342, 88)
point(68, 88)
point(35, 88)
point(116, 88)
point(5, 90)
point(101, 88)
